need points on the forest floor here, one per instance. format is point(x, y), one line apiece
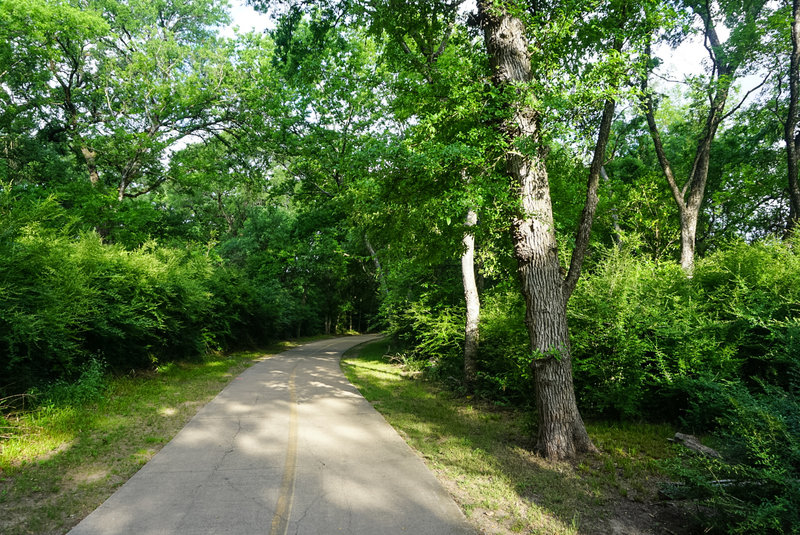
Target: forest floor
point(482, 454)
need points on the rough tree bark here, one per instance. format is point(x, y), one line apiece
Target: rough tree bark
point(561, 432)
point(472, 301)
point(790, 134)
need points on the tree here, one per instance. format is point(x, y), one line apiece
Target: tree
point(514, 112)
point(791, 136)
point(124, 81)
point(726, 60)
point(423, 36)
point(529, 53)
point(561, 430)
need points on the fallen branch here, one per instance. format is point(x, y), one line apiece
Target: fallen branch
point(693, 443)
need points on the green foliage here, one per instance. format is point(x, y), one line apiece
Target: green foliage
point(439, 330)
point(643, 333)
point(717, 353)
point(755, 488)
point(68, 298)
point(630, 322)
point(89, 386)
point(505, 358)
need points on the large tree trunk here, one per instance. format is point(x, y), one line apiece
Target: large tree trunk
point(472, 301)
point(561, 432)
point(790, 126)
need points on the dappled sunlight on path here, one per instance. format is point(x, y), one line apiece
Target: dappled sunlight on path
point(232, 469)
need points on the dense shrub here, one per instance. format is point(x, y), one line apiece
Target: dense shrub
point(67, 298)
point(639, 328)
point(429, 336)
point(70, 299)
point(643, 333)
point(755, 487)
point(504, 362)
point(717, 353)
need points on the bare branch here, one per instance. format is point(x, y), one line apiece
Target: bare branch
point(745, 97)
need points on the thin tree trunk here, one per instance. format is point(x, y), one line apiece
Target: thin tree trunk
point(689, 198)
point(472, 301)
point(617, 236)
point(378, 268)
point(561, 432)
point(790, 126)
point(593, 183)
point(471, 293)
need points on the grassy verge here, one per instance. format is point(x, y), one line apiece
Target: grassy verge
point(58, 463)
point(482, 455)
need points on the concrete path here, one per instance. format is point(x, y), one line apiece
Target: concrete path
point(290, 446)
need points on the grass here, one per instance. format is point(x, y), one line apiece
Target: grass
point(60, 461)
point(482, 454)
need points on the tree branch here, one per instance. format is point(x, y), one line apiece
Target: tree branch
point(666, 168)
point(745, 97)
point(590, 207)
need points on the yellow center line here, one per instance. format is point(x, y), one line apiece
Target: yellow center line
point(280, 522)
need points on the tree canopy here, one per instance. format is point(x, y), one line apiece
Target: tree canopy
point(498, 187)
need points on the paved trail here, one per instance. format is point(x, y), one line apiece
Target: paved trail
point(290, 446)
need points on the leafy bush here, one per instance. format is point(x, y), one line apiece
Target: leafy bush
point(430, 337)
point(88, 387)
point(638, 328)
point(755, 488)
point(67, 298)
point(643, 333)
point(505, 357)
point(720, 350)
point(754, 290)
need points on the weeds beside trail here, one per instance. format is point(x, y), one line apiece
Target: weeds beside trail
point(481, 453)
point(61, 460)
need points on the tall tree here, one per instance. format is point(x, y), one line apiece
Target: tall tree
point(791, 136)
point(125, 81)
point(423, 36)
point(726, 61)
point(561, 429)
point(588, 41)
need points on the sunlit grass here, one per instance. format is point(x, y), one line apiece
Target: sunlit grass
point(482, 453)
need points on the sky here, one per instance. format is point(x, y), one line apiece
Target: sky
point(246, 18)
